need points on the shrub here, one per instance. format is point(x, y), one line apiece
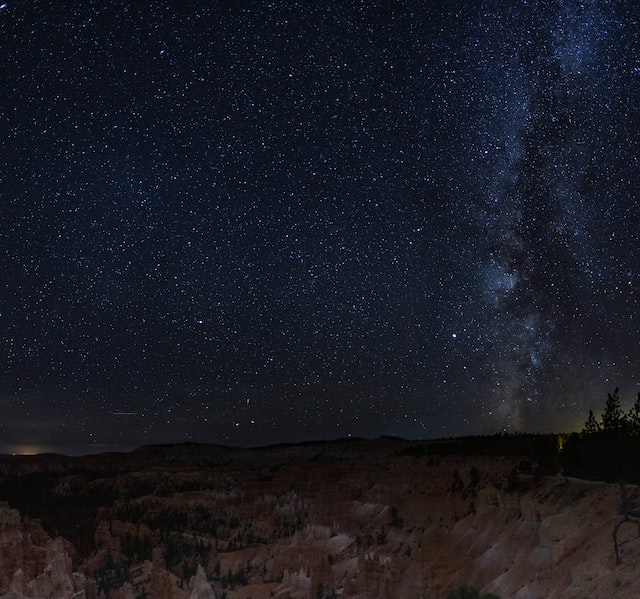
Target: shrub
point(467, 592)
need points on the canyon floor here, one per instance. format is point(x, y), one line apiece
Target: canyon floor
point(354, 518)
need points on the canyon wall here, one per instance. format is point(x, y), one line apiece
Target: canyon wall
point(345, 519)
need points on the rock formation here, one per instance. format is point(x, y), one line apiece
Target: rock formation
point(200, 586)
point(351, 519)
point(33, 565)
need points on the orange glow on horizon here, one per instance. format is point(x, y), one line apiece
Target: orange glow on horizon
point(27, 449)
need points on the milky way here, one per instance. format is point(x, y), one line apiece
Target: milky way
point(546, 273)
point(277, 222)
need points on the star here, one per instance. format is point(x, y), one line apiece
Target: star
point(408, 218)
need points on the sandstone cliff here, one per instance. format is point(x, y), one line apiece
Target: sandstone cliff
point(32, 564)
point(349, 519)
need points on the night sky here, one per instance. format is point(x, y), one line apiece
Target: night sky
point(260, 222)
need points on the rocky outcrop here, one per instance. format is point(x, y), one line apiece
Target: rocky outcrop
point(57, 580)
point(32, 565)
point(200, 586)
point(22, 549)
point(376, 520)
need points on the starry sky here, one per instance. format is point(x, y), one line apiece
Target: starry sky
point(273, 221)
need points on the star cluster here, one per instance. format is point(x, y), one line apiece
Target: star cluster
point(272, 221)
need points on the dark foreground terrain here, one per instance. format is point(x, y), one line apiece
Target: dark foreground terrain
point(352, 518)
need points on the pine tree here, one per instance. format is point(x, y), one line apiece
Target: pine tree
point(633, 418)
point(591, 426)
point(613, 419)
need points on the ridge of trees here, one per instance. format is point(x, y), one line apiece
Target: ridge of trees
point(607, 448)
point(614, 420)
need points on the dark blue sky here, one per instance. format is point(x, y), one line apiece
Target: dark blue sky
point(258, 222)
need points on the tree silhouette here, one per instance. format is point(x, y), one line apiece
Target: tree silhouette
point(592, 426)
point(608, 449)
point(613, 418)
point(633, 418)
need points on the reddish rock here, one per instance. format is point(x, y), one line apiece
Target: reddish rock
point(352, 519)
